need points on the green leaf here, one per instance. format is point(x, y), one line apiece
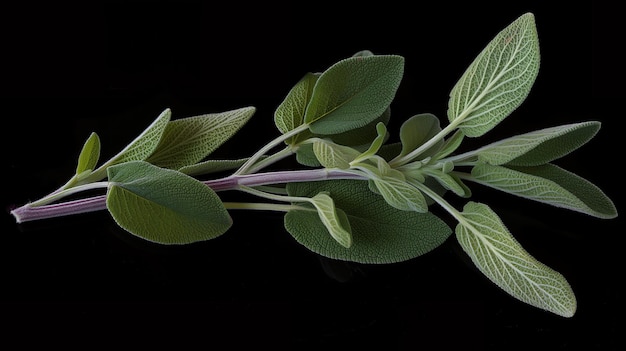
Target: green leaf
point(353, 92)
point(363, 53)
point(335, 220)
point(451, 182)
point(504, 261)
point(189, 140)
point(89, 155)
point(290, 113)
point(417, 130)
point(380, 233)
point(548, 184)
point(450, 145)
point(143, 146)
point(331, 155)
point(499, 79)
point(538, 147)
point(376, 144)
point(212, 166)
point(164, 206)
point(361, 136)
point(306, 157)
point(400, 194)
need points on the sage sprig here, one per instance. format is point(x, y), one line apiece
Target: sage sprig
point(357, 197)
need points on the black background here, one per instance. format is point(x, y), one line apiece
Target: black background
point(111, 67)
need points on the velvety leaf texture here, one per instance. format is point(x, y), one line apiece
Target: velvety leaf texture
point(538, 147)
point(498, 80)
point(140, 148)
point(502, 259)
point(290, 113)
point(189, 140)
point(353, 92)
point(164, 206)
point(380, 233)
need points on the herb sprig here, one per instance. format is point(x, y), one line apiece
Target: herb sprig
point(357, 197)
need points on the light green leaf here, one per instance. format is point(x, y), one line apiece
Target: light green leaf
point(353, 92)
point(538, 147)
point(400, 194)
point(290, 113)
point(376, 144)
point(417, 130)
point(451, 182)
point(450, 145)
point(331, 155)
point(143, 146)
point(380, 233)
point(164, 206)
point(335, 220)
point(504, 261)
point(189, 140)
point(499, 79)
point(548, 184)
point(89, 155)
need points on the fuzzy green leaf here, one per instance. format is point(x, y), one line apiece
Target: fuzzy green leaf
point(212, 166)
point(331, 155)
point(89, 155)
point(290, 113)
point(504, 261)
point(548, 184)
point(538, 147)
point(189, 140)
point(400, 194)
point(376, 144)
point(450, 145)
point(353, 92)
point(335, 220)
point(380, 233)
point(362, 136)
point(164, 206)
point(417, 130)
point(499, 79)
point(451, 182)
point(143, 146)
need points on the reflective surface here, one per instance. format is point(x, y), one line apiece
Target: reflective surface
point(114, 69)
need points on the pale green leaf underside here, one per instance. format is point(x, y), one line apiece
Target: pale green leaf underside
point(335, 220)
point(400, 194)
point(498, 80)
point(548, 184)
point(140, 148)
point(331, 155)
point(380, 233)
point(164, 206)
point(450, 145)
point(89, 155)
point(538, 147)
point(189, 140)
point(353, 92)
point(290, 113)
point(497, 254)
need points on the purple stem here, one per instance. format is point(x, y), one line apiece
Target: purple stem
point(29, 213)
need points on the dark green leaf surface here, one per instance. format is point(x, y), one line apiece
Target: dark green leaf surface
point(164, 206)
point(353, 92)
point(380, 233)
